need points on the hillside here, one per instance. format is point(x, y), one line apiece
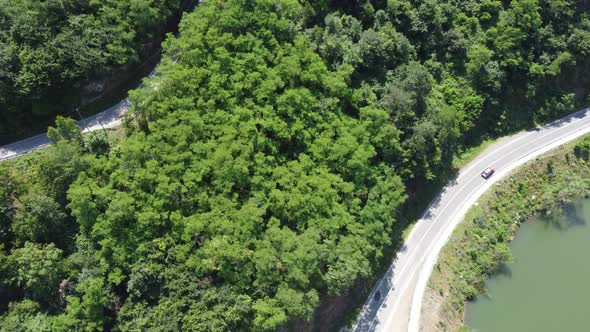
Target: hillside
point(57, 55)
point(270, 162)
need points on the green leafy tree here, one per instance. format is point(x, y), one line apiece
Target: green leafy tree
point(65, 129)
point(60, 167)
point(8, 188)
point(50, 50)
point(40, 219)
point(38, 270)
point(582, 150)
point(25, 316)
point(271, 156)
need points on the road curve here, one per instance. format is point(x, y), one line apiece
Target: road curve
point(108, 119)
point(396, 300)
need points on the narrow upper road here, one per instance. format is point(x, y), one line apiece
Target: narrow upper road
point(396, 300)
point(108, 119)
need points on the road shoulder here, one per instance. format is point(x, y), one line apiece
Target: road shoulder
point(478, 245)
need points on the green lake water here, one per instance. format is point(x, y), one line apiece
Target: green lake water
point(547, 286)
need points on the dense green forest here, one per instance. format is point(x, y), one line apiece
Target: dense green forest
point(267, 166)
point(50, 48)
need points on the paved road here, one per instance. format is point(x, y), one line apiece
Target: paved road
point(398, 305)
point(109, 119)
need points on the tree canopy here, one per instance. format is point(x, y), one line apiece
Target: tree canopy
point(267, 165)
point(48, 49)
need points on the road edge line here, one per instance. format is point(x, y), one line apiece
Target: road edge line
point(430, 261)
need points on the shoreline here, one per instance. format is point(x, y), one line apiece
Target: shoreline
point(478, 246)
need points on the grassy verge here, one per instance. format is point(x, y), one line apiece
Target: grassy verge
point(480, 243)
point(469, 154)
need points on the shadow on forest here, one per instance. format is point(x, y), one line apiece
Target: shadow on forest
point(368, 320)
point(417, 207)
point(422, 200)
point(366, 296)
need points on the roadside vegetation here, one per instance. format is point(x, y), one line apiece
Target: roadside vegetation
point(50, 50)
point(275, 161)
point(479, 245)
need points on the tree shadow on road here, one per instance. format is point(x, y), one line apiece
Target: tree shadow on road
point(367, 320)
point(558, 123)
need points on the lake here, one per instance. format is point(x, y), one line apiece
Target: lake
point(547, 286)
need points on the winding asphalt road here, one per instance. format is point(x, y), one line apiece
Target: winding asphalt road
point(395, 303)
point(109, 118)
point(106, 119)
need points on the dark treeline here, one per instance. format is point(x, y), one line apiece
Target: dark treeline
point(51, 49)
point(266, 166)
